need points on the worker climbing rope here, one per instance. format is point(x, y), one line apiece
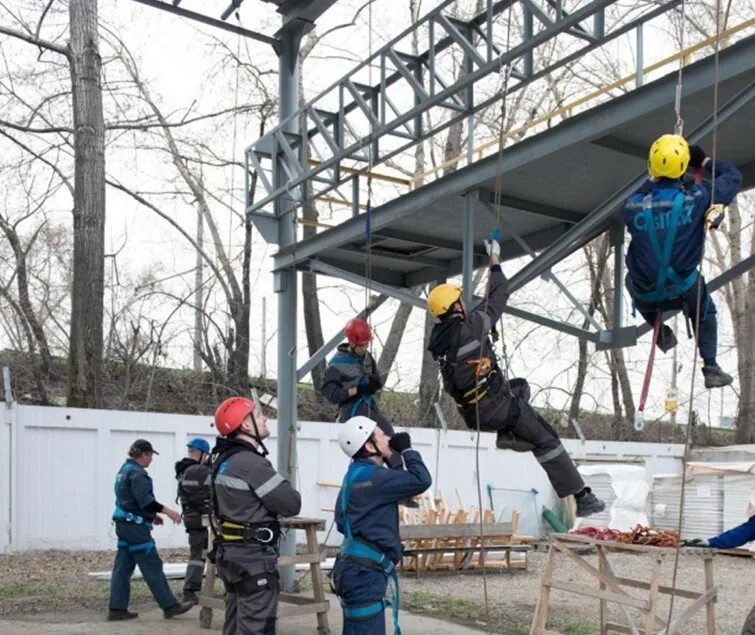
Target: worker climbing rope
point(367, 516)
point(665, 220)
point(461, 345)
point(352, 380)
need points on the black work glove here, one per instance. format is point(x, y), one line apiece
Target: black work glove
point(400, 441)
point(695, 542)
point(697, 156)
point(370, 387)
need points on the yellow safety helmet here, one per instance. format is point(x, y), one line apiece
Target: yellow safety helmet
point(668, 157)
point(442, 298)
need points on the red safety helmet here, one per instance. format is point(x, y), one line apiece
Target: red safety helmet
point(358, 332)
point(231, 414)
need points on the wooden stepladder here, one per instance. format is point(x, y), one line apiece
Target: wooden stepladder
point(641, 610)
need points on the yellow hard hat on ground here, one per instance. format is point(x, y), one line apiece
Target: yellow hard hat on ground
point(668, 157)
point(442, 298)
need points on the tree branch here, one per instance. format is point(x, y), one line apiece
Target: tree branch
point(50, 46)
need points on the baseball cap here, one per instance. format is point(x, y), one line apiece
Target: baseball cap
point(141, 446)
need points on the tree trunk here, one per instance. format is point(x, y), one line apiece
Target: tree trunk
point(85, 355)
point(392, 343)
point(429, 385)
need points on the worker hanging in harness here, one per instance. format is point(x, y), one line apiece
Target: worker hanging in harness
point(367, 516)
point(136, 511)
point(352, 380)
point(248, 497)
point(667, 222)
point(461, 345)
point(193, 476)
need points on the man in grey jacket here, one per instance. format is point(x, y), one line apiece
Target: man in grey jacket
point(248, 497)
point(461, 344)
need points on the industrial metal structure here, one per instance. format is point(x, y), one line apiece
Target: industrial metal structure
point(562, 187)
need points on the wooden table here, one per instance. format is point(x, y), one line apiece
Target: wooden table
point(289, 604)
point(611, 588)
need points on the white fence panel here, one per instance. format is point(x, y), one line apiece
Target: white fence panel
point(61, 465)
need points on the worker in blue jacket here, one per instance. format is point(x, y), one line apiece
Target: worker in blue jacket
point(667, 223)
point(136, 511)
point(367, 515)
point(730, 539)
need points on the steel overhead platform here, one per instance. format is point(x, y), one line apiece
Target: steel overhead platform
point(561, 188)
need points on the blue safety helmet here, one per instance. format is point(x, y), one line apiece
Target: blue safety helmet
point(197, 443)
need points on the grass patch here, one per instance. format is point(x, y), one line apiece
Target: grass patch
point(578, 628)
point(15, 589)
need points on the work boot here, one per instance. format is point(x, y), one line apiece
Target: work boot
point(115, 615)
point(666, 340)
point(190, 596)
point(177, 609)
point(588, 503)
point(715, 377)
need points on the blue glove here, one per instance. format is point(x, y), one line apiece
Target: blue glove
point(493, 242)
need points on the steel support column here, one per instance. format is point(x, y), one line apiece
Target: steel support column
point(286, 288)
point(617, 240)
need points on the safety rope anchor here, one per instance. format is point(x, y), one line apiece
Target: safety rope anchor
point(639, 421)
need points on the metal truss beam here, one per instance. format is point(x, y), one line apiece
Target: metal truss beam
point(583, 127)
point(392, 292)
point(214, 22)
point(599, 219)
point(365, 116)
point(531, 207)
point(549, 275)
point(424, 239)
point(321, 353)
point(624, 147)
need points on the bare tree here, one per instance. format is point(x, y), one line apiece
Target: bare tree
point(84, 62)
point(730, 247)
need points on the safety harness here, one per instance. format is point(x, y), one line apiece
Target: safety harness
point(449, 362)
point(120, 514)
point(231, 531)
point(668, 283)
point(354, 549)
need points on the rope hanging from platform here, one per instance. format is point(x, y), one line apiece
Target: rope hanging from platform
point(691, 413)
point(370, 163)
point(505, 73)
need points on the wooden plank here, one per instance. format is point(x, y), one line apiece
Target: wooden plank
point(618, 628)
point(608, 572)
point(586, 591)
point(676, 626)
point(655, 582)
point(301, 522)
point(540, 618)
point(619, 546)
point(212, 603)
point(641, 584)
point(318, 588)
point(710, 612)
point(300, 558)
point(454, 530)
point(602, 586)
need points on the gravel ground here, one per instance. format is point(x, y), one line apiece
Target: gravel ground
point(54, 586)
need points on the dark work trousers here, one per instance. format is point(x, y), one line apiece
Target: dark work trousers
point(140, 550)
point(357, 585)
point(525, 422)
point(707, 342)
point(250, 577)
point(368, 408)
point(197, 547)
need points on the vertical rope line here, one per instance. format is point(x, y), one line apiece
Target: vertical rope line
point(691, 414)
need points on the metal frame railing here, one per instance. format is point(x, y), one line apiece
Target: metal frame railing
point(353, 126)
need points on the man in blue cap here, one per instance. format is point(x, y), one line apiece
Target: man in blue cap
point(193, 475)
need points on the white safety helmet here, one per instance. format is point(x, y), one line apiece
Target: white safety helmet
point(354, 433)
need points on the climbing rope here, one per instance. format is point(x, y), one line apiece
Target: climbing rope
point(691, 414)
point(505, 73)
